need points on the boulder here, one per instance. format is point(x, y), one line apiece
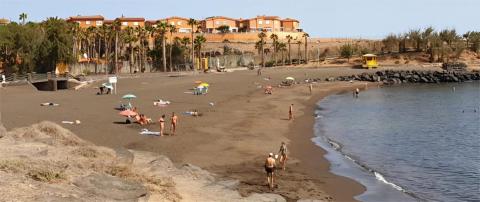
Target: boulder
point(111, 188)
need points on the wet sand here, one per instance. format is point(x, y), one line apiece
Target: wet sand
point(231, 139)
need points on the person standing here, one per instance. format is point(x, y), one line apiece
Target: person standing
point(161, 121)
point(270, 169)
point(310, 87)
point(357, 92)
point(283, 155)
point(290, 112)
point(174, 122)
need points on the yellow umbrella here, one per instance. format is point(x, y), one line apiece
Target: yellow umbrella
point(204, 84)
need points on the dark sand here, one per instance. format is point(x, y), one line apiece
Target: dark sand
point(231, 139)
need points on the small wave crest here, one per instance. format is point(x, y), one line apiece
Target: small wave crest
point(338, 147)
point(380, 177)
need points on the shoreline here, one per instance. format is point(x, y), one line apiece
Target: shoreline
point(303, 148)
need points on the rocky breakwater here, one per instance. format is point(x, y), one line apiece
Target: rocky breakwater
point(398, 77)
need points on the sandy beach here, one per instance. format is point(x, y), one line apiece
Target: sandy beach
point(230, 139)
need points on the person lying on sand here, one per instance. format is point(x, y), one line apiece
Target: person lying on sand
point(270, 169)
point(49, 104)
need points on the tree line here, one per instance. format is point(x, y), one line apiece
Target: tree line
point(441, 46)
point(39, 47)
point(282, 49)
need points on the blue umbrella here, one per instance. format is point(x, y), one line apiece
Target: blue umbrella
point(129, 97)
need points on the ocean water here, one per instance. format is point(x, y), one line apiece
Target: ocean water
point(417, 142)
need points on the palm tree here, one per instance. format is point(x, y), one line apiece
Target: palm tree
point(289, 41)
point(130, 38)
point(106, 33)
point(199, 40)
point(185, 41)
point(116, 26)
point(305, 36)
point(299, 43)
point(262, 35)
point(23, 17)
point(162, 28)
point(172, 29)
point(274, 38)
point(192, 22)
point(142, 37)
point(282, 47)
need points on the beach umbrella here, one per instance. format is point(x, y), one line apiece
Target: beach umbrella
point(204, 84)
point(128, 113)
point(290, 78)
point(129, 96)
point(198, 82)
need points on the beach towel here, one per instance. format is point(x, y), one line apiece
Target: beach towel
point(147, 132)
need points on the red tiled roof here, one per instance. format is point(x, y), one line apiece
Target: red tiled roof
point(125, 19)
point(108, 22)
point(267, 17)
point(91, 17)
point(174, 17)
point(221, 17)
point(290, 20)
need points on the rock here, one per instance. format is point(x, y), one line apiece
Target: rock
point(111, 188)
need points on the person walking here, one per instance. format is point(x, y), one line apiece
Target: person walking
point(290, 112)
point(174, 123)
point(283, 154)
point(270, 169)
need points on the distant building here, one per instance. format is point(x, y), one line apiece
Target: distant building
point(87, 21)
point(211, 24)
point(4, 21)
point(131, 22)
point(290, 25)
point(262, 23)
point(180, 23)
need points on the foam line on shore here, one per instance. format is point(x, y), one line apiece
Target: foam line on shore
point(339, 148)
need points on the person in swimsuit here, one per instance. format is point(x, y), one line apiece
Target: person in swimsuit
point(283, 155)
point(270, 169)
point(174, 122)
point(162, 124)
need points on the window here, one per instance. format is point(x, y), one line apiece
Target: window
point(135, 23)
point(260, 22)
point(124, 23)
point(99, 23)
point(87, 22)
point(267, 22)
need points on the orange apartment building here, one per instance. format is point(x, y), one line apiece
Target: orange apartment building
point(130, 22)
point(290, 25)
point(260, 23)
point(211, 24)
point(87, 21)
